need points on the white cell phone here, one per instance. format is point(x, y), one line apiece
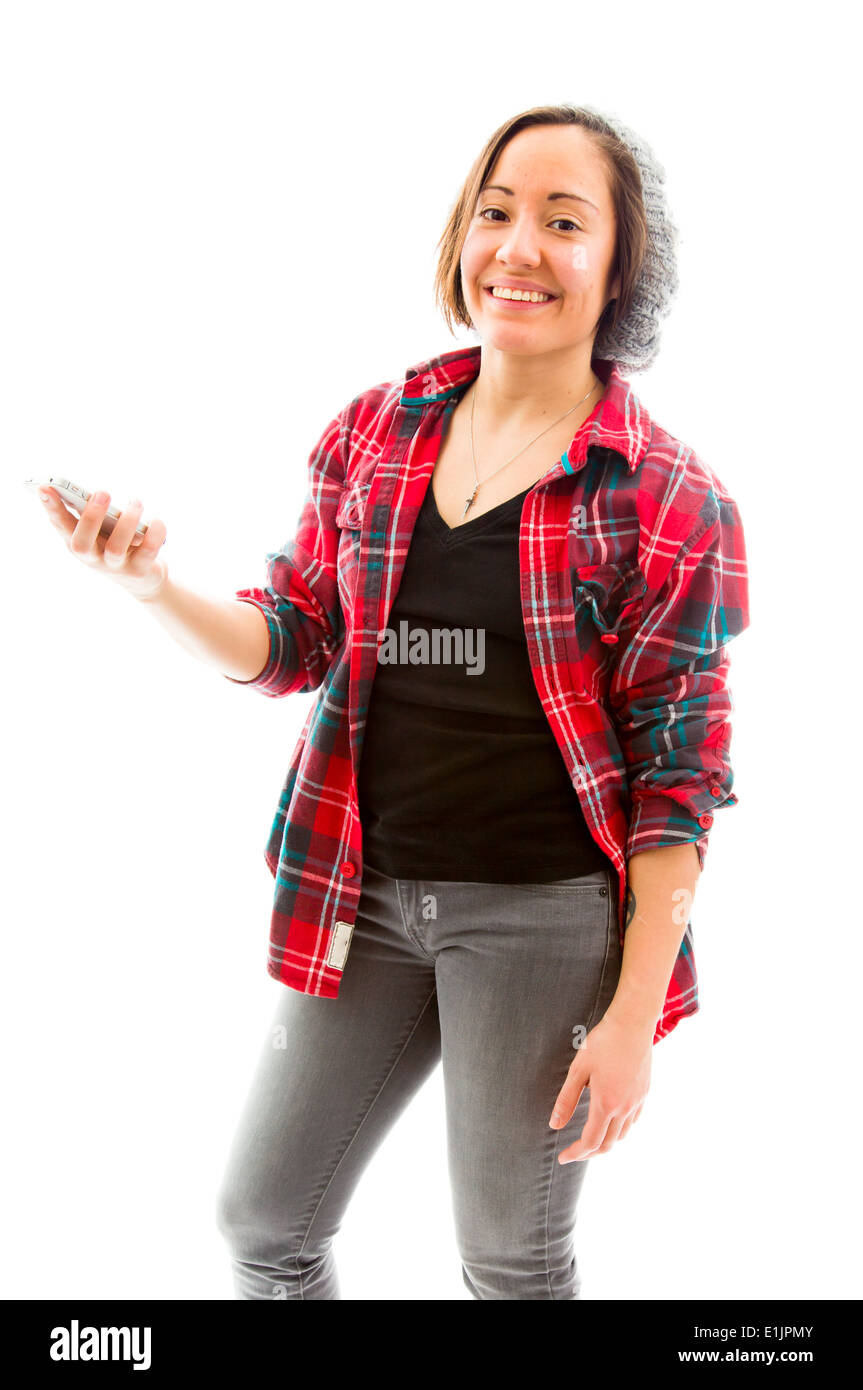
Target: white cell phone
point(77, 498)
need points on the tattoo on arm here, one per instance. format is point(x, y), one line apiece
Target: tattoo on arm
point(630, 906)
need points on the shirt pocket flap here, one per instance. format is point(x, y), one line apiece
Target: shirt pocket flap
point(614, 593)
point(352, 505)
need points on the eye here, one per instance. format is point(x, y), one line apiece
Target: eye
point(573, 225)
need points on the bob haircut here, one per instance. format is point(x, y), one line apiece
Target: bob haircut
point(625, 183)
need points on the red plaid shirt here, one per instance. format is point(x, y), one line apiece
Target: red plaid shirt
point(633, 580)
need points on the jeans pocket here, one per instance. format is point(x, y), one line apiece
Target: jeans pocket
point(597, 878)
point(610, 973)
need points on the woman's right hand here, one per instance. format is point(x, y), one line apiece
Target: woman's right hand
point(131, 562)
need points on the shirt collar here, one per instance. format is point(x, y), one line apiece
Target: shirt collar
point(621, 423)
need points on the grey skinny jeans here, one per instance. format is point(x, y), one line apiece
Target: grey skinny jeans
point(492, 980)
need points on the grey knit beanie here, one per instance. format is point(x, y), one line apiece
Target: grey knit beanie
point(634, 344)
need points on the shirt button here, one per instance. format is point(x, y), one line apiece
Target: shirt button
point(715, 789)
point(706, 820)
point(608, 637)
point(348, 869)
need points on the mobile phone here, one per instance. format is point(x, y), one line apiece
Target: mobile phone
point(77, 498)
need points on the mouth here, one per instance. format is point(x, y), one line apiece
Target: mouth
point(504, 298)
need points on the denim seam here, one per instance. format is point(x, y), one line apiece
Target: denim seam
point(558, 1133)
point(368, 1111)
point(554, 1152)
point(611, 920)
point(419, 945)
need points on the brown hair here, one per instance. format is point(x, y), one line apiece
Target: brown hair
point(626, 194)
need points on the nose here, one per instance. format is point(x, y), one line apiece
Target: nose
point(519, 244)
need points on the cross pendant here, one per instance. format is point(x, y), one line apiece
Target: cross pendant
point(468, 504)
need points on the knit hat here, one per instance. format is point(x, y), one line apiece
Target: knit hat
point(634, 344)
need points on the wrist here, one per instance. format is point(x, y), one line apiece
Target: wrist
point(633, 1017)
point(159, 592)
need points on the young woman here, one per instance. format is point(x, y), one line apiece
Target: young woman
point(514, 591)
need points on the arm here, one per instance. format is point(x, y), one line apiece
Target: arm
point(280, 638)
point(661, 887)
point(300, 603)
point(671, 705)
point(669, 695)
point(234, 637)
point(616, 1057)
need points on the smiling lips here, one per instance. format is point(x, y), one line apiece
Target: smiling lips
point(526, 296)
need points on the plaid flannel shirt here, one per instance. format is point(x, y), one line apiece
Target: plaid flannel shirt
point(633, 580)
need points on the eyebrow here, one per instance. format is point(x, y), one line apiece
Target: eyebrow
point(576, 197)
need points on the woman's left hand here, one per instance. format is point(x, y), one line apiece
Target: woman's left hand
point(614, 1060)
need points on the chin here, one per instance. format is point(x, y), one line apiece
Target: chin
point(515, 338)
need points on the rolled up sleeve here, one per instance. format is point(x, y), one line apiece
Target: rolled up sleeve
point(300, 599)
point(669, 696)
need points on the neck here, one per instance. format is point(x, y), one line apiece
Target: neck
point(515, 388)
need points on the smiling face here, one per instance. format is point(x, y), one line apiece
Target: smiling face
point(544, 220)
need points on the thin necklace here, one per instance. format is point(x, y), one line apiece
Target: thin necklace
point(479, 484)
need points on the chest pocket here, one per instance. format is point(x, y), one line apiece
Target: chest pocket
point(609, 597)
point(352, 506)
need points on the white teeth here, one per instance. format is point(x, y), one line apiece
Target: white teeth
point(532, 295)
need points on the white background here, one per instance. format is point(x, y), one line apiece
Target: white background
point(220, 224)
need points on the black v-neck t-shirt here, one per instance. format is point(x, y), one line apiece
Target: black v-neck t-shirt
point(460, 775)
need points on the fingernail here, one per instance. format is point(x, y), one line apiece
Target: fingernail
point(100, 498)
point(46, 496)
